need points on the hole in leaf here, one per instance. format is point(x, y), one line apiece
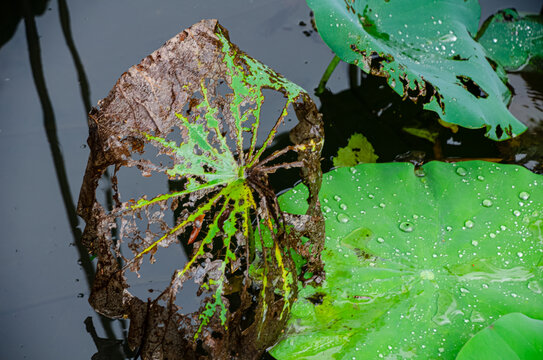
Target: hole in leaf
point(492, 63)
point(458, 58)
point(316, 298)
point(472, 87)
point(499, 131)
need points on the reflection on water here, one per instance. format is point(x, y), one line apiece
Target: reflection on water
point(50, 126)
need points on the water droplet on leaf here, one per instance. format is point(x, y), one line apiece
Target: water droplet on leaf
point(427, 275)
point(535, 287)
point(487, 203)
point(406, 226)
point(476, 317)
point(524, 195)
point(420, 172)
point(461, 171)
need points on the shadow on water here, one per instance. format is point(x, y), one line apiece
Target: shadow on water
point(67, 32)
point(108, 348)
point(13, 12)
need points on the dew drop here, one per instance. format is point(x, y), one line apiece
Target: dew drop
point(327, 209)
point(381, 205)
point(519, 254)
point(342, 218)
point(343, 206)
point(487, 203)
point(380, 240)
point(474, 242)
point(461, 171)
point(476, 317)
point(535, 287)
point(337, 197)
point(480, 178)
point(516, 213)
point(448, 37)
point(524, 195)
point(427, 275)
point(406, 226)
point(469, 224)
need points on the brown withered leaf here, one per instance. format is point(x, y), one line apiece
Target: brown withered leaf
point(190, 113)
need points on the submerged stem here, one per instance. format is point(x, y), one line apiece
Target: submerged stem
point(327, 73)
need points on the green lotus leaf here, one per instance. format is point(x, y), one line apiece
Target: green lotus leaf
point(418, 261)
point(426, 51)
point(513, 336)
point(513, 40)
point(358, 150)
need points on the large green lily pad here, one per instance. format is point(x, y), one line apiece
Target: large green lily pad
point(513, 336)
point(426, 51)
point(418, 261)
point(513, 40)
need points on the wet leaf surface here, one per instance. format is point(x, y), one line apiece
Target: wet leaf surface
point(514, 41)
point(426, 52)
point(418, 261)
point(190, 113)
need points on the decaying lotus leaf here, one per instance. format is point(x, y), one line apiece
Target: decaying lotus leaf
point(190, 113)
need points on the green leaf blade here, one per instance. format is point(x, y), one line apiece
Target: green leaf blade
point(512, 40)
point(415, 264)
point(513, 336)
point(358, 150)
point(426, 52)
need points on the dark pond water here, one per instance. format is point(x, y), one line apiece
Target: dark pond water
point(84, 46)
